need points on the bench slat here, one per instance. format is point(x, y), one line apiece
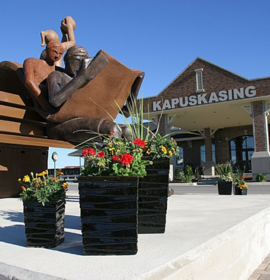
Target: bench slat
point(21, 128)
point(31, 141)
point(21, 113)
point(13, 98)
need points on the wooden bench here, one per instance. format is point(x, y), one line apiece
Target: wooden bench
point(23, 141)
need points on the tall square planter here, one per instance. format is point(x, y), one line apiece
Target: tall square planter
point(44, 225)
point(224, 188)
point(109, 213)
point(153, 197)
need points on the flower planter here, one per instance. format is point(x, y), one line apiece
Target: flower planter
point(239, 191)
point(153, 197)
point(109, 213)
point(224, 188)
point(44, 225)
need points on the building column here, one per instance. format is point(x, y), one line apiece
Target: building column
point(260, 160)
point(208, 166)
point(164, 124)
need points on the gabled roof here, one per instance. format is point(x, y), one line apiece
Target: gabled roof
point(204, 60)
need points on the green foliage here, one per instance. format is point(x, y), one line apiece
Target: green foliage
point(161, 147)
point(42, 188)
point(157, 146)
point(184, 175)
point(118, 157)
point(260, 178)
point(180, 174)
point(224, 170)
point(188, 174)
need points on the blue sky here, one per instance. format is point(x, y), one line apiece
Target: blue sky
point(160, 37)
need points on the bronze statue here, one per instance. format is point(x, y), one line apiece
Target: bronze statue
point(89, 121)
point(83, 99)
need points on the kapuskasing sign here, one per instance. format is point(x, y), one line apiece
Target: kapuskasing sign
point(205, 98)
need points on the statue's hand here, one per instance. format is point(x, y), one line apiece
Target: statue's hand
point(83, 73)
point(90, 67)
point(67, 23)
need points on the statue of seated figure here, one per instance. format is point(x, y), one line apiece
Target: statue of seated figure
point(83, 99)
point(98, 86)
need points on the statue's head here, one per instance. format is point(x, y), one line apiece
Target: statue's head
point(54, 51)
point(73, 59)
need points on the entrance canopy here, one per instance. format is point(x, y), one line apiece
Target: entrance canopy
point(215, 116)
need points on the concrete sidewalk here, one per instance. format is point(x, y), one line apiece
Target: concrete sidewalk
point(207, 237)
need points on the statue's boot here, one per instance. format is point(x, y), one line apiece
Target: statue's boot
point(79, 130)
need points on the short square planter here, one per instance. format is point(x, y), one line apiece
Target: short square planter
point(44, 225)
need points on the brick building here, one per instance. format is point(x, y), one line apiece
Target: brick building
point(223, 118)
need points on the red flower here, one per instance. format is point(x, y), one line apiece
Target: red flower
point(242, 177)
point(112, 132)
point(100, 154)
point(88, 152)
point(126, 159)
point(115, 158)
point(139, 142)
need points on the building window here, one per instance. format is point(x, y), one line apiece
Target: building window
point(199, 80)
point(242, 149)
point(213, 154)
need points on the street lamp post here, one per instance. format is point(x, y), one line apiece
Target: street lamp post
point(54, 158)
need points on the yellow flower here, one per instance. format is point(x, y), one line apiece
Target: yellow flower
point(149, 151)
point(65, 185)
point(19, 179)
point(26, 178)
point(164, 150)
point(110, 144)
point(42, 173)
point(170, 153)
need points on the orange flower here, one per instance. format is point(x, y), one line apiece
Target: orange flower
point(36, 185)
point(23, 188)
point(54, 178)
point(59, 172)
point(65, 185)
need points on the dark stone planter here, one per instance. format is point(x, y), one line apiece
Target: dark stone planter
point(224, 188)
point(44, 225)
point(238, 191)
point(153, 197)
point(109, 213)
